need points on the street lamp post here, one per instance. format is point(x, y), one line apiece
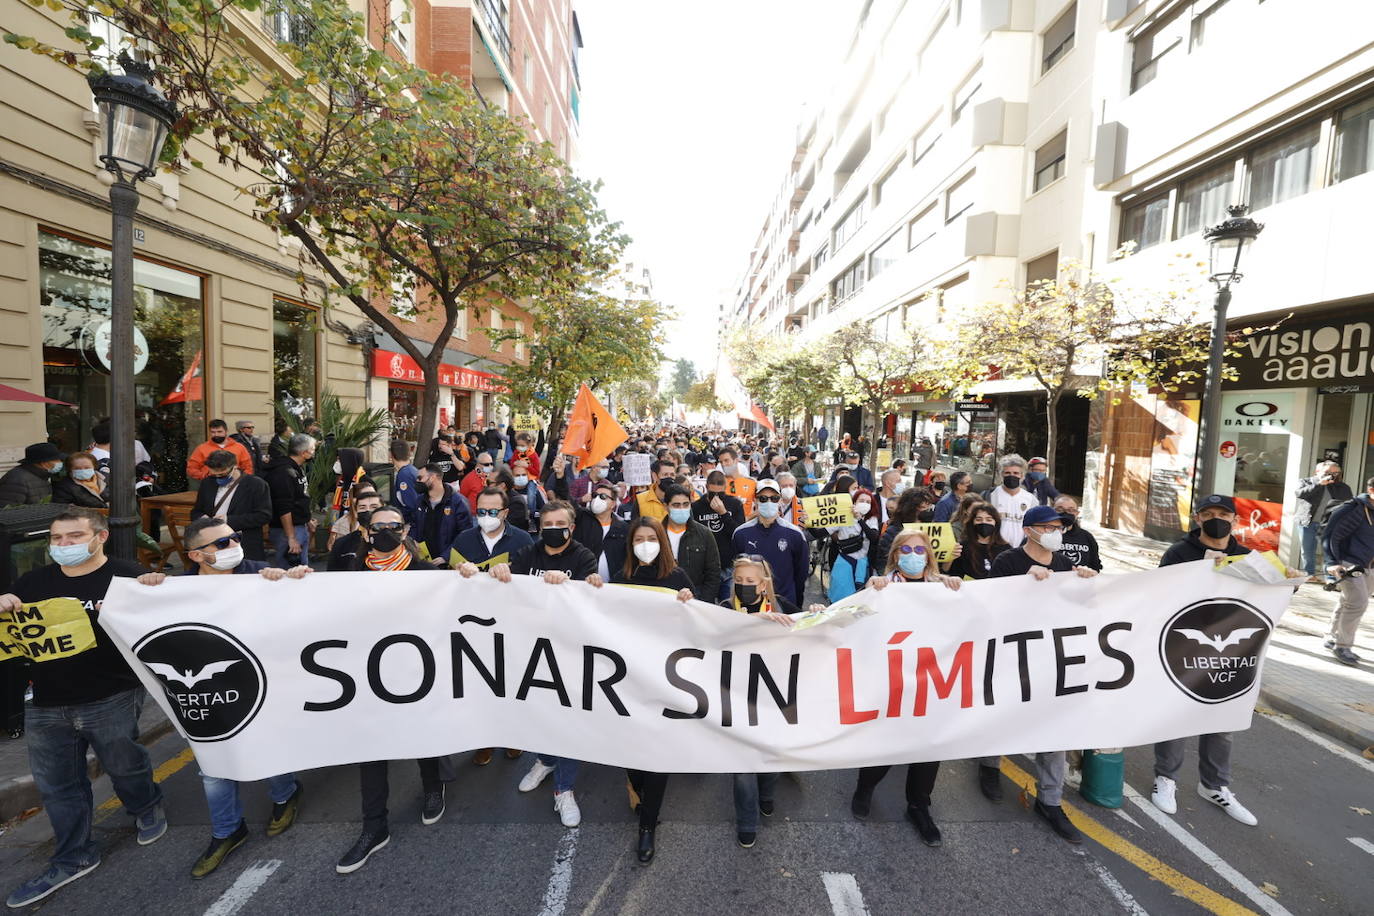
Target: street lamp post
point(1228, 242)
point(135, 119)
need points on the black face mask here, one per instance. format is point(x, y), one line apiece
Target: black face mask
point(1011, 481)
point(1216, 527)
point(386, 541)
point(365, 517)
point(747, 594)
point(553, 537)
point(926, 515)
point(984, 529)
point(218, 439)
point(939, 486)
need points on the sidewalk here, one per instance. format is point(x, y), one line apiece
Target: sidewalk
point(1301, 678)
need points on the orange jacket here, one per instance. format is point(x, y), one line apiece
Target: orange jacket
point(195, 464)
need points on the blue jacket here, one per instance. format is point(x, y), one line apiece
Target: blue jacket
point(247, 567)
point(405, 492)
point(862, 475)
point(457, 518)
point(471, 547)
point(947, 506)
point(1350, 533)
point(1044, 491)
point(786, 550)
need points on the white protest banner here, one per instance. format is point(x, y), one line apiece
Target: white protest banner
point(273, 677)
point(831, 509)
point(940, 535)
point(634, 469)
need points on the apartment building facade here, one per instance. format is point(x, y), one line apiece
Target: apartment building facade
point(220, 313)
point(1024, 133)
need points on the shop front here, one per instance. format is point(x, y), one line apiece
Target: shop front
point(465, 394)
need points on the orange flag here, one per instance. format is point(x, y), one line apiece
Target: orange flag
point(592, 432)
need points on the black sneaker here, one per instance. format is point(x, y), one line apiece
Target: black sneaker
point(645, 852)
point(284, 813)
point(357, 857)
point(745, 839)
point(925, 825)
point(1059, 821)
point(218, 851)
point(861, 804)
point(990, 783)
point(1329, 643)
point(434, 807)
point(1346, 656)
point(766, 807)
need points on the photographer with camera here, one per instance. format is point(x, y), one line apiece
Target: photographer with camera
point(1349, 547)
point(1318, 496)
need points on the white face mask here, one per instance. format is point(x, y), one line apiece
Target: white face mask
point(1051, 540)
point(338, 468)
point(228, 558)
point(521, 480)
point(488, 523)
point(599, 505)
point(861, 509)
point(646, 551)
point(899, 488)
point(788, 493)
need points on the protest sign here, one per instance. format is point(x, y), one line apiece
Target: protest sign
point(43, 630)
point(941, 535)
point(422, 666)
point(528, 421)
point(634, 469)
point(828, 510)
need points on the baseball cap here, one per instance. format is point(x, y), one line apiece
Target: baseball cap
point(1218, 501)
point(1040, 515)
point(1037, 461)
point(767, 484)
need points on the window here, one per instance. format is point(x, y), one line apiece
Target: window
point(1043, 268)
point(1284, 168)
point(1355, 140)
point(849, 282)
point(1049, 160)
point(925, 141)
point(923, 226)
point(851, 221)
point(954, 298)
point(399, 27)
point(295, 349)
point(1058, 38)
point(1144, 223)
point(1202, 200)
point(284, 25)
point(820, 256)
point(889, 183)
point(1149, 50)
point(959, 197)
point(1204, 20)
point(886, 254)
point(966, 94)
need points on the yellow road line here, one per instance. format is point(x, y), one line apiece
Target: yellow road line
point(168, 769)
point(1183, 885)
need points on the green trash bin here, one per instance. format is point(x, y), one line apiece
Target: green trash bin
point(1104, 775)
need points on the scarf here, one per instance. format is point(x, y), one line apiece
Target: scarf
point(396, 560)
point(765, 606)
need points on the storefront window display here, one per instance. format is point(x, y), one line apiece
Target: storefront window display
point(295, 349)
point(169, 357)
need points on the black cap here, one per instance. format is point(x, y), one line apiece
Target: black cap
point(1217, 501)
point(40, 452)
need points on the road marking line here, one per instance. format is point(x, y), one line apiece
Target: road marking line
point(1362, 843)
point(1203, 852)
point(164, 772)
point(1321, 741)
point(1160, 871)
point(1114, 887)
point(560, 877)
point(1121, 813)
point(248, 883)
point(845, 897)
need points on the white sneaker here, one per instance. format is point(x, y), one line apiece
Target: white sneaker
point(1165, 795)
point(566, 806)
point(1226, 801)
point(537, 774)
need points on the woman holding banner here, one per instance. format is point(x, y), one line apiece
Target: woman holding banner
point(649, 564)
point(388, 550)
point(910, 559)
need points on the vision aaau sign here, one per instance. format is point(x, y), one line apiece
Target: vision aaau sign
point(1327, 352)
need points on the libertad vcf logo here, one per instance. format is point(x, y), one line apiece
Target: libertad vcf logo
point(1212, 648)
point(213, 683)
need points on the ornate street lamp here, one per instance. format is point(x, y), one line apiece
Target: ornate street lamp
point(1229, 241)
point(134, 121)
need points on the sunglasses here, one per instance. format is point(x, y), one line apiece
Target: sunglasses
point(768, 499)
point(912, 548)
point(386, 526)
point(220, 543)
point(489, 513)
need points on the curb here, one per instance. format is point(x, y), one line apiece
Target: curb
point(19, 793)
point(1310, 715)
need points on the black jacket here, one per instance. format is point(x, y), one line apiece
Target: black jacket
point(25, 485)
point(1081, 548)
point(69, 491)
point(699, 557)
point(287, 483)
point(250, 508)
point(587, 532)
point(1309, 495)
point(577, 561)
point(254, 450)
point(1191, 548)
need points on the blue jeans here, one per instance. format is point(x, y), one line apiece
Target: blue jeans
point(564, 771)
point(226, 811)
point(750, 789)
point(1309, 548)
point(727, 579)
point(59, 737)
point(279, 546)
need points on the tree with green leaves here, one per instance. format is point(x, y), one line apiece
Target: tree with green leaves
point(784, 373)
point(873, 370)
point(684, 377)
point(702, 397)
point(583, 336)
point(404, 191)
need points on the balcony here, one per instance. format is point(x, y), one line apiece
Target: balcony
point(494, 13)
